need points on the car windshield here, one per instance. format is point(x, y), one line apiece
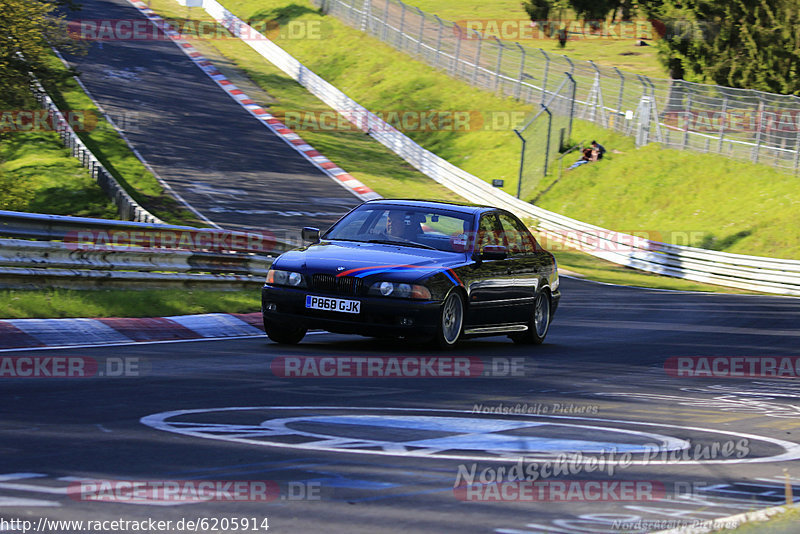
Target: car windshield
point(406, 226)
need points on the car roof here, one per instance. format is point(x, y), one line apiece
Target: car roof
point(461, 207)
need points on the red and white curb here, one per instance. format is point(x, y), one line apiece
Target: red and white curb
point(18, 334)
point(332, 170)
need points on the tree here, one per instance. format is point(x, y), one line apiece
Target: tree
point(537, 9)
point(752, 44)
point(29, 28)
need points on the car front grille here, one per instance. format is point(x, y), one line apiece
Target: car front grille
point(343, 285)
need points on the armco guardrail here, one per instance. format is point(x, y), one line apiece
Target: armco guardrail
point(128, 208)
point(74, 252)
point(732, 270)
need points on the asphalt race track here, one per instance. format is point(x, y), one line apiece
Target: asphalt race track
point(210, 150)
point(350, 454)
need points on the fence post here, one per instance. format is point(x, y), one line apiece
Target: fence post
point(546, 69)
point(438, 40)
point(571, 64)
point(621, 90)
point(421, 30)
point(722, 122)
point(521, 162)
point(365, 13)
point(477, 59)
point(521, 71)
point(572, 96)
point(797, 155)
point(759, 121)
point(499, 63)
point(687, 117)
point(385, 21)
point(547, 144)
point(457, 54)
point(401, 33)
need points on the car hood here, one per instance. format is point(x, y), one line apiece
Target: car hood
point(371, 260)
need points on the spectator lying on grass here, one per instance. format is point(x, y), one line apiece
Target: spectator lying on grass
point(588, 156)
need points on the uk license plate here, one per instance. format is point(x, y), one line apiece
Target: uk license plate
point(332, 304)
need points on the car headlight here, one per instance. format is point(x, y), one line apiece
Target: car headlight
point(396, 289)
point(285, 278)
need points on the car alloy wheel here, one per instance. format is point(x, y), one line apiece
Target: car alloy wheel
point(540, 322)
point(451, 320)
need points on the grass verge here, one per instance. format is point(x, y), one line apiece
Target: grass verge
point(37, 174)
point(615, 48)
point(55, 303)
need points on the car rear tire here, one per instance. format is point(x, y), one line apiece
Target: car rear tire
point(283, 333)
point(539, 323)
point(451, 321)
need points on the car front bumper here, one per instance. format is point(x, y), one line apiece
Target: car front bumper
point(379, 316)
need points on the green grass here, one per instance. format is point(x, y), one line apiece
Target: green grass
point(613, 52)
point(37, 174)
point(55, 303)
point(112, 151)
point(786, 523)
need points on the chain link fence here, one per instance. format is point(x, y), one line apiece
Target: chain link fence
point(736, 123)
point(544, 136)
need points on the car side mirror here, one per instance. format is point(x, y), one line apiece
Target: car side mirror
point(310, 234)
point(492, 252)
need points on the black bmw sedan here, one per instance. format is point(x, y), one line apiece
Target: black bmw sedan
point(411, 268)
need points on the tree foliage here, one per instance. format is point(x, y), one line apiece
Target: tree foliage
point(751, 44)
point(29, 28)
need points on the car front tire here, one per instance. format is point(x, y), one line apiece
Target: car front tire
point(283, 333)
point(451, 321)
point(539, 324)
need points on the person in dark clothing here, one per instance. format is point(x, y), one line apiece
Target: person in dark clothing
point(600, 149)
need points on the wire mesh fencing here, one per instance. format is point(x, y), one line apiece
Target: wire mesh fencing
point(737, 123)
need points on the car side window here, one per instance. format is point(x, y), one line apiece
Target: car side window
point(518, 239)
point(489, 231)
